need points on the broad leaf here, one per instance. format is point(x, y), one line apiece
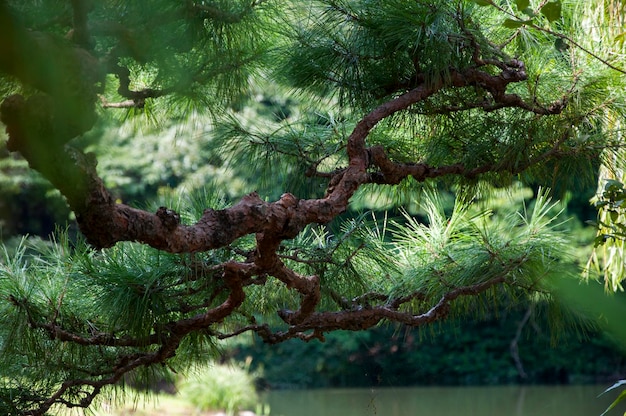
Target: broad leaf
point(522, 4)
point(552, 10)
point(514, 24)
point(483, 2)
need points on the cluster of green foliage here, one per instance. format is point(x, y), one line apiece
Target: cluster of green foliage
point(130, 288)
point(611, 233)
point(220, 387)
point(272, 96)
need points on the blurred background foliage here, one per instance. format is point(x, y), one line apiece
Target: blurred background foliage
point(459, 352)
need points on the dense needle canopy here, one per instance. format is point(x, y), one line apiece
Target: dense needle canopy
point(393, 97)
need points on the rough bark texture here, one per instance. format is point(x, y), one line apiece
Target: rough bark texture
point(40, 126)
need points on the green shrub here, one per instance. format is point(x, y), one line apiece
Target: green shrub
point(220, 387)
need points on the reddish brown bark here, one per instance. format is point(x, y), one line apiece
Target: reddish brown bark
point(105, 222)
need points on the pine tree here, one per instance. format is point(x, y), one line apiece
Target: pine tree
point(398, 97)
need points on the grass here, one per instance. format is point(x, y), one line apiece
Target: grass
point(207, 391)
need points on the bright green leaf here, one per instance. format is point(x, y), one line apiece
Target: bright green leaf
point(552, 10)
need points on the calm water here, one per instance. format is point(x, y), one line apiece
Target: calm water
point(445, 401)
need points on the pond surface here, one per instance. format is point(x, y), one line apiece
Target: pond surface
point(445, 401)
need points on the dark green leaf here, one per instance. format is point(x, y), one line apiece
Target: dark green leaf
point(483, 2)
point(612, 184)
point(522, 4)
point(552, 10)
point(528, 11)
point(514, 24)
point(600, 240)
point(619, 198)
point(560, 45)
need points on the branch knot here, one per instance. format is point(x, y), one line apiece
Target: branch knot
point(169, 218)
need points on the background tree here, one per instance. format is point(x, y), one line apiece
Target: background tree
point(395, 96)
point(606, 26)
